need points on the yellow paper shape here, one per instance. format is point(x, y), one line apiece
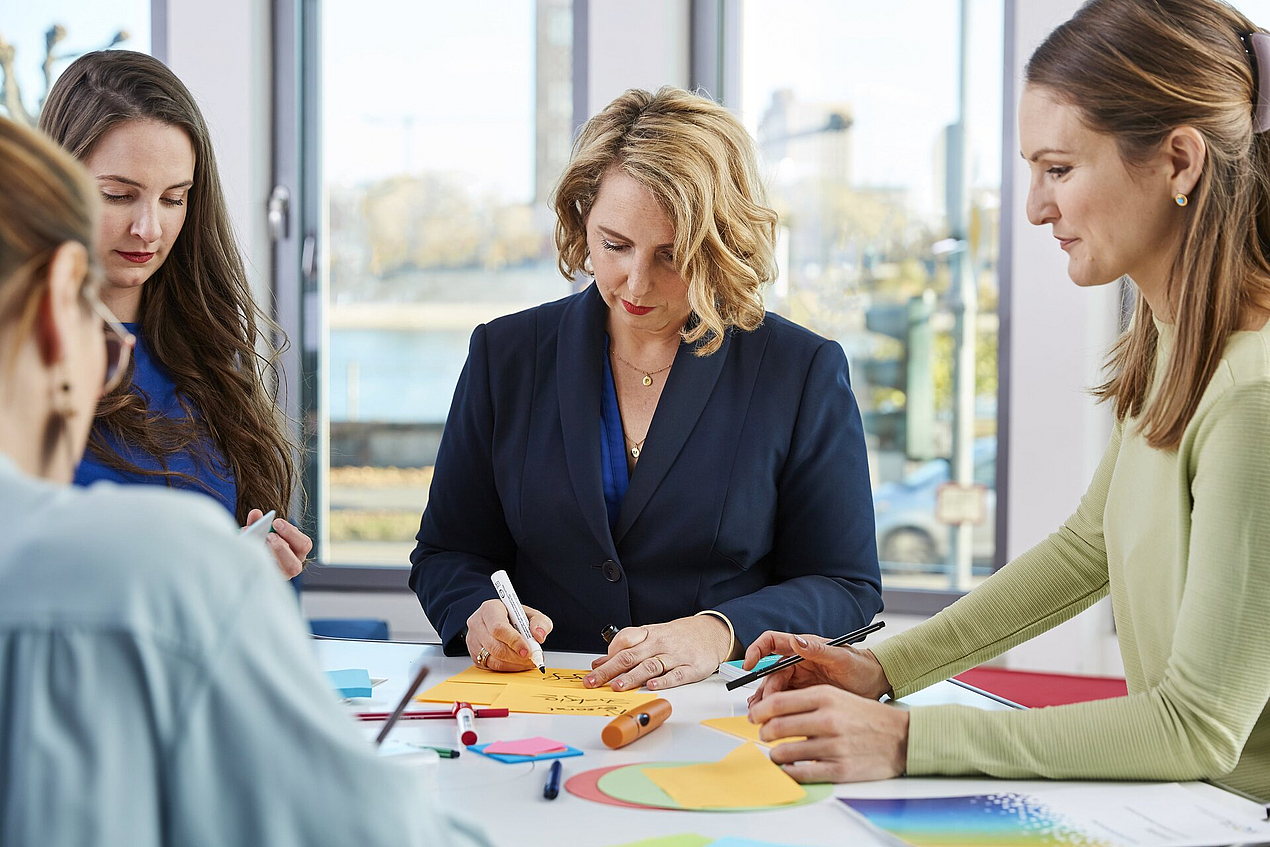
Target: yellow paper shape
point(742, 728)
point(744, 777)
point(466, 692)
point(555, 677)
point(558, 701)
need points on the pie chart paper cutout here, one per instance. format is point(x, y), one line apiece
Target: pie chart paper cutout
point(587, 786)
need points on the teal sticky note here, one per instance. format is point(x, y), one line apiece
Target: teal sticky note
point(512, 760)
point(353, 682)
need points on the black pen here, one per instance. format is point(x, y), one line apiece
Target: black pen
point(849, 638)
point(552, 789)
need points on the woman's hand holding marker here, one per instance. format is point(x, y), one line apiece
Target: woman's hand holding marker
point(489, 629)
point(290, 546)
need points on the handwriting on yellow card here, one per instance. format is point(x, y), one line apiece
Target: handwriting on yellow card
point(601, 701)
point(465, 692)
point(554, 678)
point(744, 777)
point(742, 728)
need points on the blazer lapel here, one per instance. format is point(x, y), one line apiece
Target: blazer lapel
point(682, 401)
point(579, 348)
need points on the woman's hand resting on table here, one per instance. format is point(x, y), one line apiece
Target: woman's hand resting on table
point(290, 546)
point(830, 697)
point(848, 738)
point(663, 655)
point(490, 628)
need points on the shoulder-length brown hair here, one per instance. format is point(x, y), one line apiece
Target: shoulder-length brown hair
point(1138, 70)
point(700, 164)
point(197, 312)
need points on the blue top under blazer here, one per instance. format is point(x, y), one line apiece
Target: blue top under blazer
point(751, 496)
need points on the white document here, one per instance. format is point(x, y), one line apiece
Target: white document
point(934, 813)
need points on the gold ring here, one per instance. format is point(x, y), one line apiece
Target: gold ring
point(482, 657)
point(660, 664)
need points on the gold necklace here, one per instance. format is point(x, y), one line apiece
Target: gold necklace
point(635, 445)
point(648, 375)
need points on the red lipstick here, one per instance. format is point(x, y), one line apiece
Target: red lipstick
point(636, 310)
point(136, 258)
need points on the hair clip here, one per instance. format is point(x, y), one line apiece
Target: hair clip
point(1257, 46)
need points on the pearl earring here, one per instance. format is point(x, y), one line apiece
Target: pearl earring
point(1180, 199)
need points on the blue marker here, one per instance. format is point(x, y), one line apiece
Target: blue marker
point(552, 789)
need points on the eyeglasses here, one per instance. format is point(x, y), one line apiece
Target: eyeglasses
point(119, 342)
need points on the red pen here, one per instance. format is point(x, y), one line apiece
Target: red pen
point(419, 716)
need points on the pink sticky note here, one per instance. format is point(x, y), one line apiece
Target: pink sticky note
point(535, 746)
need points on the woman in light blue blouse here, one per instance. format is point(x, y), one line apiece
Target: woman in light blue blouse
point(141, 703)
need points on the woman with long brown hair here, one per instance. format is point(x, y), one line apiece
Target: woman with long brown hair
point(198, 411)
point(1143, 125)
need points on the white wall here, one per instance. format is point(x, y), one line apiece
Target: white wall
point(221, 51)
point(636, 45)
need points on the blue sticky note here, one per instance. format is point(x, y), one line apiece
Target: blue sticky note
point(514, 760)
point(353, 682)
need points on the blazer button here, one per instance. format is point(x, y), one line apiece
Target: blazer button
point(612, 571)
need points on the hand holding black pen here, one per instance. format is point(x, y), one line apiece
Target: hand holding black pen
point(817, 661)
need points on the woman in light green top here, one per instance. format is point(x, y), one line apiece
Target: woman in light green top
point(156, 683)
point(1142, 130)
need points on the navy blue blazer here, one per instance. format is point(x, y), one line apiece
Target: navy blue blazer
point(751, 495)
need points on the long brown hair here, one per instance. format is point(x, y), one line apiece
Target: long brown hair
point(699, 162)
point(197, 312)
point(1138, 70)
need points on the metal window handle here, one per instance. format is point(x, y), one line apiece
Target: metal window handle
point(308, 257)
point(277, 212)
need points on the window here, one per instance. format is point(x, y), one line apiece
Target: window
point(443, 127)
point(38, 41)
point(889, 203)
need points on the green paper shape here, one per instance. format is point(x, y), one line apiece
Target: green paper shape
point(685, 840)
point(631, 785)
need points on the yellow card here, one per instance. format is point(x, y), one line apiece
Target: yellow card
point(555, 677)
point(744, 777)
point(547, 701)
point(742, 728)
point(466, 692)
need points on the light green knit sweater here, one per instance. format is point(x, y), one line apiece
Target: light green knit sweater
point(1182, 542)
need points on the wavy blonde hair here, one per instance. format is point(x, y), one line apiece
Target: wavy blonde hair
point(1136, 71)
point(700, 164)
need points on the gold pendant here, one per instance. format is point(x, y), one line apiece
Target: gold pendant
point(648, 380)
point(634, 452)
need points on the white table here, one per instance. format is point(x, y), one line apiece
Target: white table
point(508, 801)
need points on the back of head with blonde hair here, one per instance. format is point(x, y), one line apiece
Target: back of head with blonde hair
point(47, 201)
point(700, 164)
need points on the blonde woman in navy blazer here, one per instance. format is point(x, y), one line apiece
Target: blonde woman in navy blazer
point(655, 453)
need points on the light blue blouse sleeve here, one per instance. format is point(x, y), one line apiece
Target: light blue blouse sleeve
point(268, 755)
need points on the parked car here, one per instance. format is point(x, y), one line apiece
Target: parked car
point(908, 533)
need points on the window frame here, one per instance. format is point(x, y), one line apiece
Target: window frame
point(715, 62)
point(298, 255)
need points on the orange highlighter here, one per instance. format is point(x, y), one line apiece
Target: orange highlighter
point(637, 722)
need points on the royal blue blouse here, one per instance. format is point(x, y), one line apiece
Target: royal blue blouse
point(612, 446)
point(153, 381)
